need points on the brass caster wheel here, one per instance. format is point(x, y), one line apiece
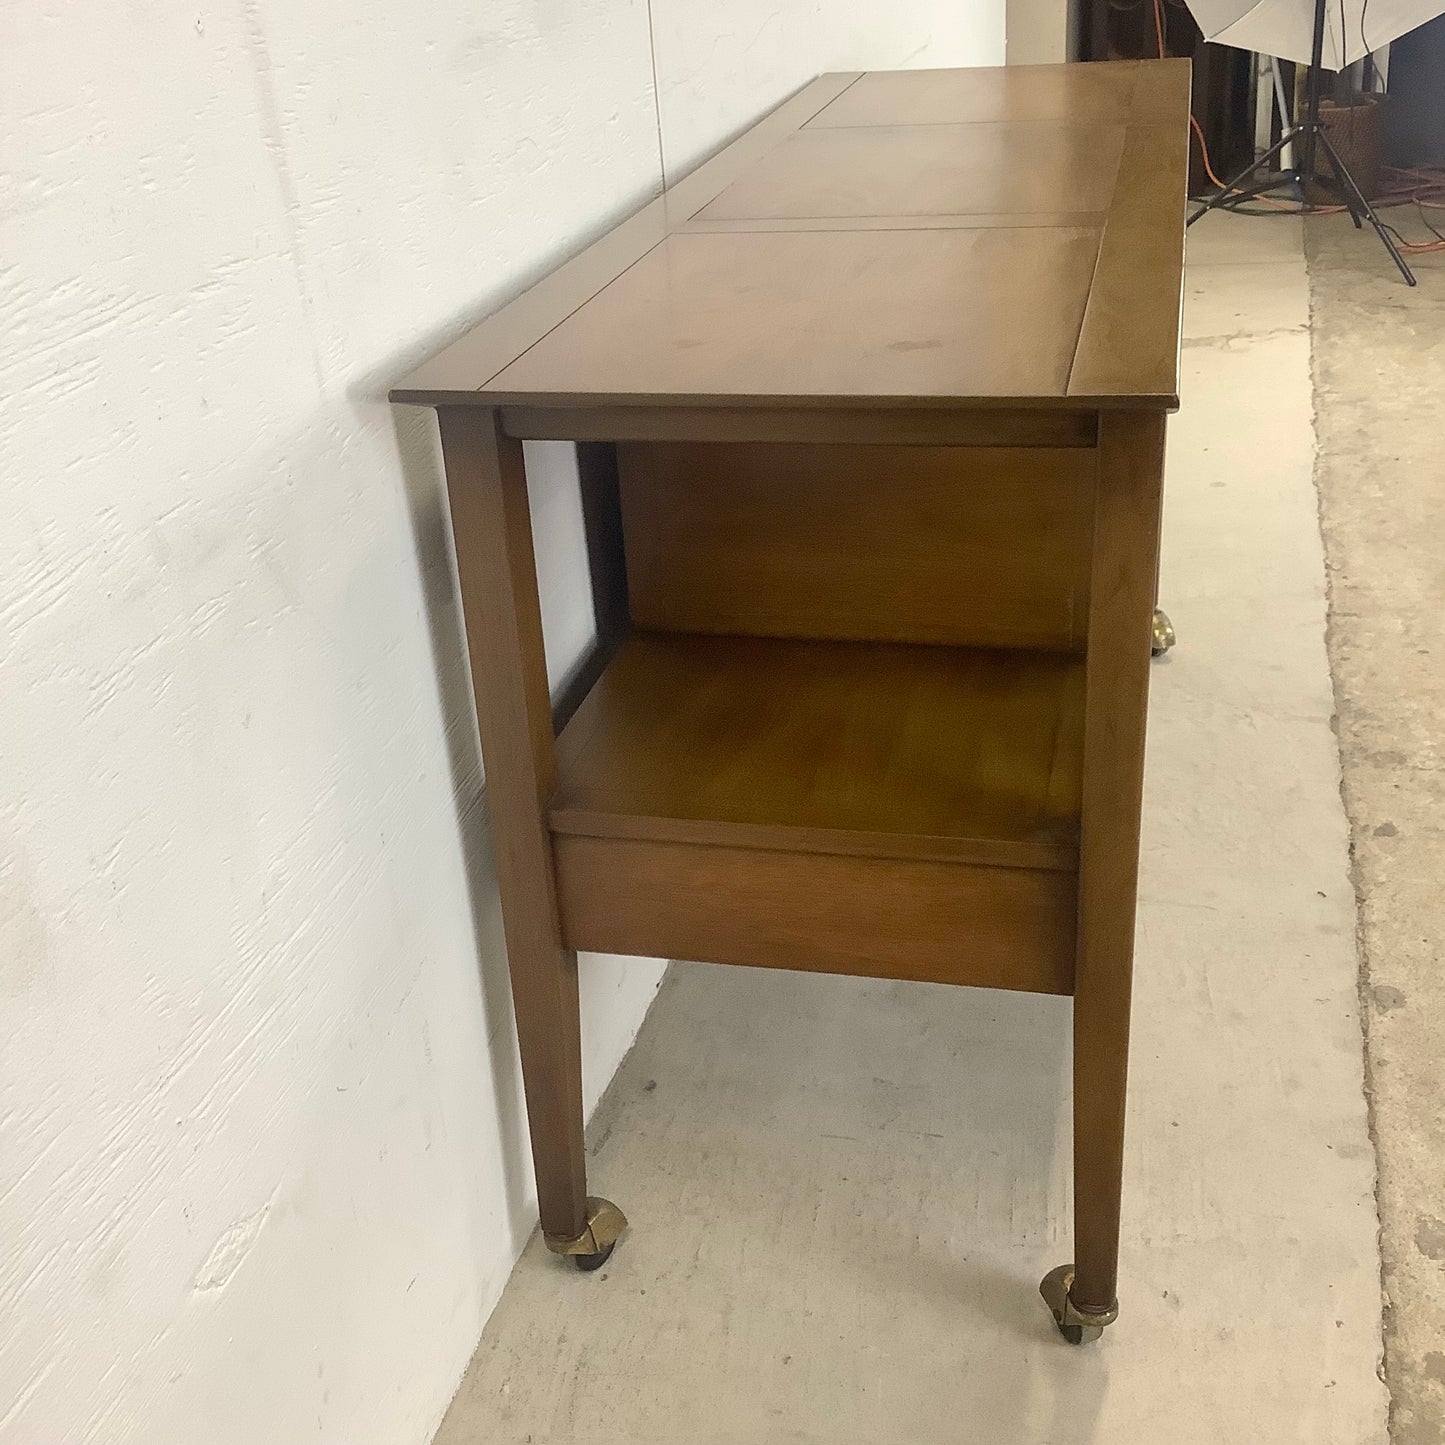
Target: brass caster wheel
point(1162, 638)
point(1077, 1326)
point(593, 1247)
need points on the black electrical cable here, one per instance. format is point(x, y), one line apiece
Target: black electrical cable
point(1425, 221)
point(1394, 233)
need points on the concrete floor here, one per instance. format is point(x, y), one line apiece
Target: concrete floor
point(1379, 357)
point(843, 1192)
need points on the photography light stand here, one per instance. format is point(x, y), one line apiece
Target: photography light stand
point(1309, 134)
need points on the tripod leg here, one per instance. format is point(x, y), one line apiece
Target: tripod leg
point(1341, 187)
point(1348, 182)
point(1249, 170)
point(1334, 182)
point(1338, 184)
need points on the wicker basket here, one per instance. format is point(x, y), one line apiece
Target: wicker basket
point(1357, 132)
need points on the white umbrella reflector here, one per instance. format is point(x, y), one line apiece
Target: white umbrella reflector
point(1285, 28)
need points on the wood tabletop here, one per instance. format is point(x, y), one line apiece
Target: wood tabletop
point(987, 237)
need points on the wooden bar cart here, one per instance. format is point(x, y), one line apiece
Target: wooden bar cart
point(872, 411)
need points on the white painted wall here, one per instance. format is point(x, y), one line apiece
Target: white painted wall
point(263, 1168)
point(720, 66)
point(1038, 32)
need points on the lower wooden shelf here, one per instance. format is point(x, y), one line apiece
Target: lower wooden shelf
point(828, 806)
point(881, 749)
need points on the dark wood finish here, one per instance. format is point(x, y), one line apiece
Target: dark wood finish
point(877, 425)
point(1161, 97)
point(461, 369)
point(958, 752)
point(820, 912)
point(984, 169)
point(756, 317)
point(913, 221)
point(872, 306)
point(873, 412)
point(1126, 542)
point(1076, 93)
point(487, 488)
point(1130, 337)
point(970, 547)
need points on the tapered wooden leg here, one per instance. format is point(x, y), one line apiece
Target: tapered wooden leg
point(1121, 607)
point(492, 534)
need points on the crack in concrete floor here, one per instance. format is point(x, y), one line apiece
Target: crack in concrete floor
point(1379, 370)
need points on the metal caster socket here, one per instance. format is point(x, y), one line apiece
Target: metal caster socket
point(1077, 1326)
point(593, 1247)
point(1162, 638)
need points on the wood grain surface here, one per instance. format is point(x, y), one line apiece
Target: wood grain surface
point(705, 318)
point(874, 410)
point(958, 752)
point(496, 571)
point(960, 238)
point(964, 546)
point(874, 425)
point(1126, 542)
point(463, 366)
point(1083, 93)
point(988, 168)
point(926, 921)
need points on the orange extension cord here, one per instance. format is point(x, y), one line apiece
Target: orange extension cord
point(1419, 187)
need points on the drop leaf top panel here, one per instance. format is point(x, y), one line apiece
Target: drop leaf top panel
point(955, 238)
